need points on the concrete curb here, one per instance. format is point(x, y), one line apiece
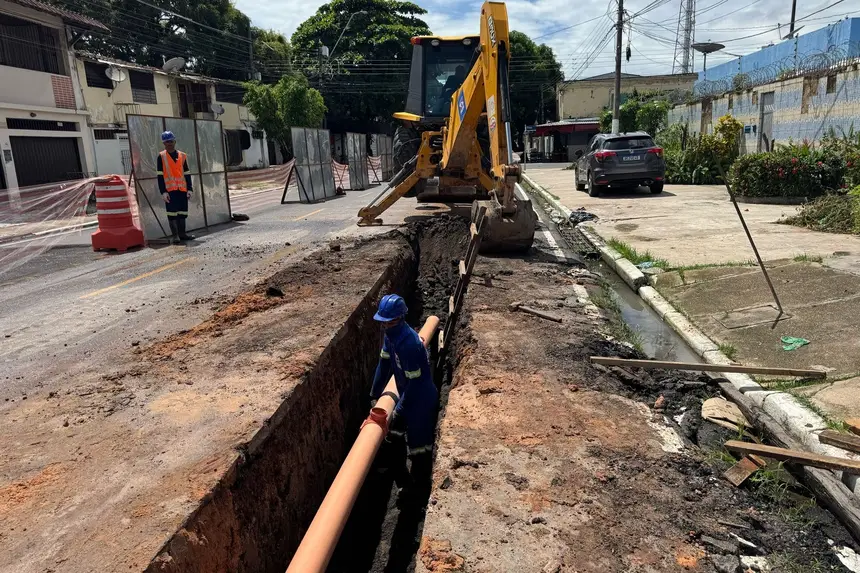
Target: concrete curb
point(535, 188)
point(802, 423)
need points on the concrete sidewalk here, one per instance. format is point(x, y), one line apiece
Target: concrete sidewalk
point(696, 229)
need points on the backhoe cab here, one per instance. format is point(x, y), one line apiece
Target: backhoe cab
point(455, 141)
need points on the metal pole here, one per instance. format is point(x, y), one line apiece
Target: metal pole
point(619, 26)
point(793, 12)
point(752, 244)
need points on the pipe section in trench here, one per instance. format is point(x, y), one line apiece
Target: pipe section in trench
point(318, 544)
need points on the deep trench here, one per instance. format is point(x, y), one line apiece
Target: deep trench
point(255, 518)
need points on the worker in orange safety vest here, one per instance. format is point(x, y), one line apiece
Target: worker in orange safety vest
point(174, 182)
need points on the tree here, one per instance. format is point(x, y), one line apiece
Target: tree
point(272, 54)
point(365, 79)
point(289, 103)
point(534, 72)
point(652, 116)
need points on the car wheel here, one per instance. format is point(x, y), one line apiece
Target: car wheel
point(656, 188)
point(593, 190)
point(579, 186)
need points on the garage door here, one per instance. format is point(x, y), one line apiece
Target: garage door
point(41, 160)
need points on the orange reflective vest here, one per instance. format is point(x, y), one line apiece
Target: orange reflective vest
point(174, 171)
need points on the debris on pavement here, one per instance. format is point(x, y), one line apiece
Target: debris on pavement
point(240, 217)
point(792, 343)
point(724, 413)
point(741, 471)
point(581, 216)
point(796, 456)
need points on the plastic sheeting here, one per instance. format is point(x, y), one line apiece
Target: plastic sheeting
point(34, 219)
point(203, 143)
point(356, 156)
point(312, 151)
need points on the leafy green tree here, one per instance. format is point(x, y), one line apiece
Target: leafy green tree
point(652, 116)
point(534, 72)
point(366, 76)
point(289, 103)
point(272, 55)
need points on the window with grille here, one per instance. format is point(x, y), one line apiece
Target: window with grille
point(96, 77)
point(40, 124)
point(142, 87)
point(25, 44)
point(831, 84)
point(200, 97)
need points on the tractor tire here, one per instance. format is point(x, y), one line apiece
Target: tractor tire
point(404, 148)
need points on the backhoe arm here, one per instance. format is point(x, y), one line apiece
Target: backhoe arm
point(485, 87)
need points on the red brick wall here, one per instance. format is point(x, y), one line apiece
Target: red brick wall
point(64, 93)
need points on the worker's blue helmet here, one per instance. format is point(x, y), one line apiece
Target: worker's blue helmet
point(167, 136)
point(391, 307)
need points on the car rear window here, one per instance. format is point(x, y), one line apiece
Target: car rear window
point(629, 143)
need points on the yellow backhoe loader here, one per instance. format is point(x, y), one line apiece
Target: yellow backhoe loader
point(455, 141)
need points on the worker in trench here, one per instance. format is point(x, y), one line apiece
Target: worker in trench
point(174, 182)
point(404, 354)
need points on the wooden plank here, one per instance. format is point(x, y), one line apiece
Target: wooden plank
point(539, 313)
point(663, 365)
point(840, 440)
point(738, 473)
point(831, 492)
point(796, 456)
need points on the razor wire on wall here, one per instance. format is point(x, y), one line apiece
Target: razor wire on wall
point(312, 153)
point(203, 142)
point(820, 62)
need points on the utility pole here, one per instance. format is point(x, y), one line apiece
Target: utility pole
point(619, 26)
point(793, 12)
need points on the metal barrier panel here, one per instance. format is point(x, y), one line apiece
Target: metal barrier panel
point(385, 153)
point(357, 159)
point(312, 152)
point(203, 142)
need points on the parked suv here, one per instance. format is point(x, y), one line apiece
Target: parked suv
point(620, 160)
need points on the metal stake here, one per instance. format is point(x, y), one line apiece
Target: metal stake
point(752, 243)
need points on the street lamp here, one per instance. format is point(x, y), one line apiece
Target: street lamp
point(706, 48)
point(351, 16)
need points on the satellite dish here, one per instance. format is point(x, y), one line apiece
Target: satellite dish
point(217, 108)
point(173, 65)
point(116, 74)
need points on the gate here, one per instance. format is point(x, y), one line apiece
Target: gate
point(40, 160)
point(203, 142)
point(766, 130)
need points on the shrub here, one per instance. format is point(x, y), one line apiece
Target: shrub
point(791, 171)
point(694, 160)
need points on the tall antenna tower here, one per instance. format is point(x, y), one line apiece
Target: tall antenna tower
point(684, 38)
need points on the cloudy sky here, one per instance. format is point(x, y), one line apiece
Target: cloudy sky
point(574, 28)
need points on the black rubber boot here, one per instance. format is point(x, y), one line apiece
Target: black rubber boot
point(174, 231)
point(183, 236)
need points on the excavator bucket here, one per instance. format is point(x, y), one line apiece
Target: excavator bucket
point(509, 233)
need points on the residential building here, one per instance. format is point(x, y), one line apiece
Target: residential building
point(44, 135)
point(146, 90)
point(796, 90)
point(578, 99)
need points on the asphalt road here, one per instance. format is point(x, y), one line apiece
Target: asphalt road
point(63, 308)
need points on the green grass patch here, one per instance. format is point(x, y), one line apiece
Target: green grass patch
point(805, 258)
point(746, 263)
point(634, 256)
point(728, 349)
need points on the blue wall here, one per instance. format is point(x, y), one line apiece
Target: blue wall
point(843, 36)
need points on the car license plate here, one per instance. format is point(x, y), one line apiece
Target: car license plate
point(632, 157)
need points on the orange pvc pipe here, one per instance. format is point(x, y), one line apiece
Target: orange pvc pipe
point(321, 538)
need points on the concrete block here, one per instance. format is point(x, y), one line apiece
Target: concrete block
point(792, 415)
point(759, 396)
point(691, 335)
point(743, 382)
point(656, 301)
point(630, 274)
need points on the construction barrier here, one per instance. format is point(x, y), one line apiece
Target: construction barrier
point(117, 230)
point(374, 170)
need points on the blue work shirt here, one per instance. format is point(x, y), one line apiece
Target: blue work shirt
point(403, 351)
